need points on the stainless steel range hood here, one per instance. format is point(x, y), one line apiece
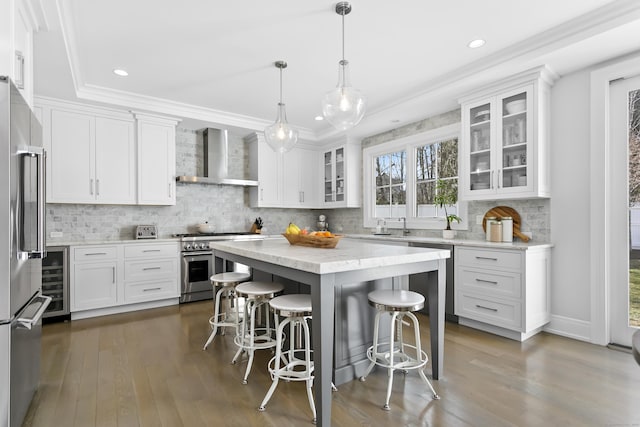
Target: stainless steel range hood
point(216, 162)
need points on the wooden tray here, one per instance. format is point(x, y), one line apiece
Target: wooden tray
point(500, 211)
point(313, 241)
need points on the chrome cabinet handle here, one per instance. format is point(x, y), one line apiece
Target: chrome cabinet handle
point(95, 253)
point(151, 289)
point(169, 191)
point(151, 268)
point(486, 281)
point(487, 308)
point(97, 187)
point(487, 258)
point(114, 275)
point(151, 250)
point(91, 186)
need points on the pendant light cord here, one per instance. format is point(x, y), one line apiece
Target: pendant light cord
point(280, 85)
point(343, 34)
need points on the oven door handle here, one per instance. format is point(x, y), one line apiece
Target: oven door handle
point(186, 254)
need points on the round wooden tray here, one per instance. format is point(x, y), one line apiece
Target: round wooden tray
point(500, 211)
point(313, 241)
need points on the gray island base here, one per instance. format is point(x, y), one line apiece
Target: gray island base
point(328, 272)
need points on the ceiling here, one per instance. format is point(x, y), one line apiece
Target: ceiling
point(211, 63)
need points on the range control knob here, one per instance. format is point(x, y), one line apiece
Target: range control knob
point(187, 247)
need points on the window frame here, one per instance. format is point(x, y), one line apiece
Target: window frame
point(409, 144)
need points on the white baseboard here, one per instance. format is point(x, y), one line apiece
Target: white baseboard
point(123, 308)
point(570, 328)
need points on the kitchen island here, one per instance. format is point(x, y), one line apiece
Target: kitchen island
point(326, 271)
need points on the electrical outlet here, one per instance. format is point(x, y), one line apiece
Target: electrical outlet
point(479, 219)
point(56, 234)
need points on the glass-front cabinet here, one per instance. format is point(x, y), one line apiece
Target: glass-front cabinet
point(504, 151)
point(340, 166)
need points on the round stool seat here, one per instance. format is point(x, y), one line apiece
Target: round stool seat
point(230, 277)
point(259, 289)
point(396, 300)
point(293, 305)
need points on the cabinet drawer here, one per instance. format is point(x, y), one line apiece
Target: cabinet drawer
point(502, 313)
point(489, 258)
point(151, 290)
point(95, 253)
point(150, 269)
point(150, 251)
point(489, 282)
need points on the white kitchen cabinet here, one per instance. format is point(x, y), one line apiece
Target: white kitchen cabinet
point(94, 277)
point(503, 291)
point(505, 139)
point(286, 180)
point(156, 138)
point(91, 156)
point(340, 176)
point(151, 272)
point(122, 277)
point(19, 19)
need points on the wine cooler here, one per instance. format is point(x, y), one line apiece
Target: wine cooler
point(55, 280)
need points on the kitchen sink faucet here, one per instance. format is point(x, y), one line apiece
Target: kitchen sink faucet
point(405, 231)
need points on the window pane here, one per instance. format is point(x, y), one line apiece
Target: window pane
point(448, 159)
point(425, 192)
point(398, 195)
point(398, 161)
point(425, 162)
point(383, 202)
point(382, 170)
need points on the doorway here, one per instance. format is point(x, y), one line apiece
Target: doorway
point(624, 304)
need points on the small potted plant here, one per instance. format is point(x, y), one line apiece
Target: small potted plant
point(447, 195)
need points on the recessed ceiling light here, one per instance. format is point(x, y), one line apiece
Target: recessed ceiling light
point(120, 72)
point(476, 43)
point(319, 118)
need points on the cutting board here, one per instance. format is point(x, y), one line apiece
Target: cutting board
point(500, 211)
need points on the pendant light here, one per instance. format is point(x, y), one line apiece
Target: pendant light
point(280, 136)
point(344, 106)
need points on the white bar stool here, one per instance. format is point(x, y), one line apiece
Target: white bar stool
point(397, 354)
point(227, 282)
point(296, 362)
point(250, 338)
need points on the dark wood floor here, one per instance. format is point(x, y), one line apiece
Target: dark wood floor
point(148, 369)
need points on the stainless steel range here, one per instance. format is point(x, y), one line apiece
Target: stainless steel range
point(197, 262)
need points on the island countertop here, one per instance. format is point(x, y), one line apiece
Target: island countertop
point(348, 255)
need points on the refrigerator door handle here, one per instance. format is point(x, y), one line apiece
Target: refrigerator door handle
point(30, 322)
point(40, 251)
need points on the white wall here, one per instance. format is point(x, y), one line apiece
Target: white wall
point(570, 202)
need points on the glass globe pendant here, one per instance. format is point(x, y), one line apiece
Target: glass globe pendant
point(280, 136)
point(344, 106)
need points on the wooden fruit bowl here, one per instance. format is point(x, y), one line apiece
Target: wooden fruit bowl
point(313, 241)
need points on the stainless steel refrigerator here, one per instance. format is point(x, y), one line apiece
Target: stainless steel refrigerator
point(22, 246)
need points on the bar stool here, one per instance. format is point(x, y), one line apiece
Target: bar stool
point(394, 354)
point(227, 282)
point(296, 362)
point(250, 338)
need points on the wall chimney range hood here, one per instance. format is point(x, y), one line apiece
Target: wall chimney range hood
point(216, 162)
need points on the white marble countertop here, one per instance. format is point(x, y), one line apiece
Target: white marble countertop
point(455, 242)
point(348, 255)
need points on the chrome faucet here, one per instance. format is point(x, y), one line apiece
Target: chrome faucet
point(405, 231)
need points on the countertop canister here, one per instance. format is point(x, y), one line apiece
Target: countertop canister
point(507, 229)
point(496, 231)
point(490, 220)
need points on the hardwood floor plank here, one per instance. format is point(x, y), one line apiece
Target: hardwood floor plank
point(148, 369)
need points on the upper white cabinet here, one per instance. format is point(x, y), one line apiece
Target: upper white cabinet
point(91, 155)
point(286, 180)
point(19, 19)
point(504, 152)
point(156, 137)
point(340, 176)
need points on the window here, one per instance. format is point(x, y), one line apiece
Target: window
point(400, 179)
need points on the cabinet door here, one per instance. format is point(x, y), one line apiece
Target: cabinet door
point(115, 162)
point(93, 285)
point(328, 165)
point(156, 163)
point(71, 160)
point(269, 176)
point(291, 167)
point(22, 55)
point(308, 173)
point(515, 132)
point(478, 142)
